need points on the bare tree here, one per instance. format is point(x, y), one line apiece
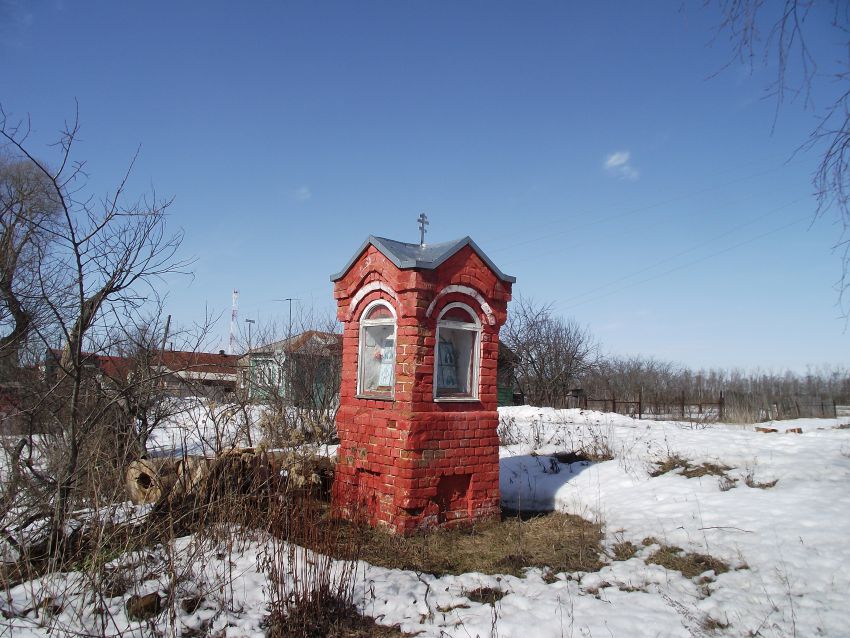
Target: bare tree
point(138, 380)
point(27, 215)
point(664, 387)
point(105, 258)
point(296, 377)
point(552, 353)
point(781, 34)
point(627, 377)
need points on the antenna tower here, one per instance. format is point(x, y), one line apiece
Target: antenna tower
point(234, 314)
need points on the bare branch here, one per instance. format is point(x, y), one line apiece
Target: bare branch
point(789, 27)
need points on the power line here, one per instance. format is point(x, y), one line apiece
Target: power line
point(561, 249)
point(701, 244)
point(687, 265)
point(629, 212)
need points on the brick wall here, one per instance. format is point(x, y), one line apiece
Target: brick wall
point(412, 462)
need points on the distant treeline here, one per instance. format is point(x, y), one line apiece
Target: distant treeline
point(627, 376)
point(553, 357)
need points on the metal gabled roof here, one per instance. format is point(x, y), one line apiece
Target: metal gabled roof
point(324, 341)
point(425, 257)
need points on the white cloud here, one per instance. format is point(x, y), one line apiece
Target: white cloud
point(302, 194)
point(619, 164)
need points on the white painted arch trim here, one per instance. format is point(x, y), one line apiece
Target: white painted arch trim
point(469, 292)
point(369, 288)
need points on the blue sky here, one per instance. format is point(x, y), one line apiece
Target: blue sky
point(591, 150)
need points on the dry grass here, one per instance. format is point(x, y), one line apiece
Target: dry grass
point(595, 454)
point(553, 542)
point(624, 550)
point(485, 595)
point(671, 463)
point(598, 450)
point(713, 625)
point(689, 564)
point(761, 485)
point(559, 542)
point(338, 619)
point(688, 469)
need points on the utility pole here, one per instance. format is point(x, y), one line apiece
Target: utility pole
point(289, 326)
point(288, 351)
point(161, 378)
point(234, 313)
point(251, 379)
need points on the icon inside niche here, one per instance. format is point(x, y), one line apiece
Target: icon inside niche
point(447, 368)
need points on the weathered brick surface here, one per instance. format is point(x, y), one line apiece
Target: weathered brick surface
point(412, 462)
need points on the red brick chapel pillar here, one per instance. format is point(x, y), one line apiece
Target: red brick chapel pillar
point(418, 404)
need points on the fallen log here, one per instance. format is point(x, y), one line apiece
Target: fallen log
point(148, 480)
point(191, 472)
point(235, 471)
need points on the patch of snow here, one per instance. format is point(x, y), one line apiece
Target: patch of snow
point(786, 545)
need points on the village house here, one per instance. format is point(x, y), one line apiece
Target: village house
point(303, 369)
point(181, 373)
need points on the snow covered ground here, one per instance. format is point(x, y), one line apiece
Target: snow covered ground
point(791, 537)
point(204, 427)
point(786, 545)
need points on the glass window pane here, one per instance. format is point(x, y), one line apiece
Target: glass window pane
point(455, 361)
point(458, 314)
point(377, 352)
point(379, 312)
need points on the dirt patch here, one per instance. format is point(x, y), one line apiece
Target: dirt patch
point(560, 542)
point(689, 564)
point(595, 452)
point(570, 457)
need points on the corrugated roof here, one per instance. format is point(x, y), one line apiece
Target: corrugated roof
point(117, 367)
point(426, 257)
point(208, 362)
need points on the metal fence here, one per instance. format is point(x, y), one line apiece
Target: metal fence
point(684, 408)
point(736, 408)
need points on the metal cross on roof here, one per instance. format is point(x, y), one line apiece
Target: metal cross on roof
point(423, 222)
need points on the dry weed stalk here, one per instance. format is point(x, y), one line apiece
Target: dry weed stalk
point(310, 592)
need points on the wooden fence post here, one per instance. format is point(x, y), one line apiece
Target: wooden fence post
point(613, 403)
point(720, 406)
point(683, 406)
point(640, 403)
